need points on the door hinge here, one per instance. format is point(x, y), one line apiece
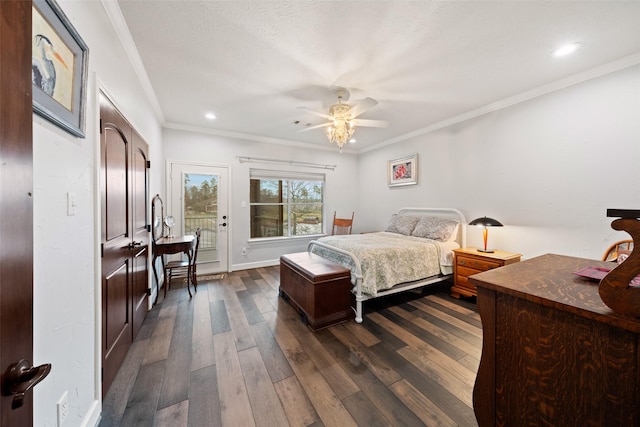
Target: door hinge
point(100, 126)
point(102, 375)
point(148, 228)
point(101, 250)
point(148, 164)
point(149, 291)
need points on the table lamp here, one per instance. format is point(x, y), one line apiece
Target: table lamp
point(485, 222)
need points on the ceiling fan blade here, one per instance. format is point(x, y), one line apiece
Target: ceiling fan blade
point(371, 123)
point(315, 127)
point(363, 106)
point(317, 113)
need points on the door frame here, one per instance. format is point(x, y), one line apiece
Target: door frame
point(168, 207)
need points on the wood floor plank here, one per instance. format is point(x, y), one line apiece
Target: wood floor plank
point(432, 367)
point(464, 326)
point(270, 276)
point(204, 403)
point(380, 369)
point(158, 348)
point(234, 399)
point(277, 365)
point(424, 336)
point(173, 416)
point(458, 410)
point(251, 312)
point(322, 397)
point(262, 302)
point(361, 333)
point(364, 411)
point(175, 386)
point(115, 401)
point(467, 346)
point(342, 385)
point(143, 400)
point(265, 404)
point(250, 284)
point(429, 413)
point(378, 393)
point(219, 318)
point(202, 353)
point(240, 329)
point(299, 410)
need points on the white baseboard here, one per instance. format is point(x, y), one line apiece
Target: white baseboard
point(92, 419)
point(259, 264)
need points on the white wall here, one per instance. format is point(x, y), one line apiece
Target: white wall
point(65, 269)
point(341, 193)
point(548, 169)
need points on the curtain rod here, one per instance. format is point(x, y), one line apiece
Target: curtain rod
point(286, 162)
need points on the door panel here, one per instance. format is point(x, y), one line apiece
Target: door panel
point(116, 238)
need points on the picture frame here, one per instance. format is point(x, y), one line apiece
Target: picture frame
point(59, 68)
point(403, 171)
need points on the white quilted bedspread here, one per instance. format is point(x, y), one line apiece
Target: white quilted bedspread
point(386, 259)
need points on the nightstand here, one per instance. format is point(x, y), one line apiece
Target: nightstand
point(469, 261)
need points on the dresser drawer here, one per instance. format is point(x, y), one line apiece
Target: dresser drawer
point(477, 264)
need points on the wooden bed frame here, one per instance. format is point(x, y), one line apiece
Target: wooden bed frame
point(449, 213)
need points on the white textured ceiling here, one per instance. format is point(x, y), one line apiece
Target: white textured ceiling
point(426, 62)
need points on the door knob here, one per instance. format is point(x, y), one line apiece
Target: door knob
point(22, 377)
point(133, 244)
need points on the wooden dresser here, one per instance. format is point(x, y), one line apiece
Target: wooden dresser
point(553, 353)
point(469, 261)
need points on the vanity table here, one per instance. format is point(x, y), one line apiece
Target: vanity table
point(169, 246)
point(166, 245)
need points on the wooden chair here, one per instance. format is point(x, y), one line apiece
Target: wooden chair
point(342, 225)
point(182, 269)
point(611, 254)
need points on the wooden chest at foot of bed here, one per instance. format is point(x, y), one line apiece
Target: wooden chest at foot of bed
point(318, 288)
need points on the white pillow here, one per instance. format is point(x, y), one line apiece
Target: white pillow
point(402, 224)
point(436, 228)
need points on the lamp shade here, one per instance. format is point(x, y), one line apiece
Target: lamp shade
point(485, 222)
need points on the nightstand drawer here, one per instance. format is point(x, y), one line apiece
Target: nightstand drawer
point(477, 264)
point(466, 272)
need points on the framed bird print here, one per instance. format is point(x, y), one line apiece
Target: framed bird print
point(403, 171)
point(58, 68)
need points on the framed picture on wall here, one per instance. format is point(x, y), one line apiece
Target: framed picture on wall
point(58, 68)
point(403, 171)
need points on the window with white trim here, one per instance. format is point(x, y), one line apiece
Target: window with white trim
point(285, 204)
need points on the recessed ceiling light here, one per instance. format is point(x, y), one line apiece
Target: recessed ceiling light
point(210, 116)
point(565, 49)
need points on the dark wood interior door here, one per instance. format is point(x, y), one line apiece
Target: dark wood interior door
point(125, 242)
point(16, 205)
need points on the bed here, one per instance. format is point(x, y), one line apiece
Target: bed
point(415, 250)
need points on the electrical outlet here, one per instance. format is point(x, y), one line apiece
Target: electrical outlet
point(63, 409)
point(244, 251)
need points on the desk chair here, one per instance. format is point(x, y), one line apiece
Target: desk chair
point(342, 225)
point(182, 269)
point(611, 254)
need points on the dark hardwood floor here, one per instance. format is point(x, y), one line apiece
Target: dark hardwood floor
point(238, 355)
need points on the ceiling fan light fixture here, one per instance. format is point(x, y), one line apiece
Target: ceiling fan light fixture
point(340, 132)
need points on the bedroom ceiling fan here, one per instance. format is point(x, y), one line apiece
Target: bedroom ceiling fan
point(343, 119)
